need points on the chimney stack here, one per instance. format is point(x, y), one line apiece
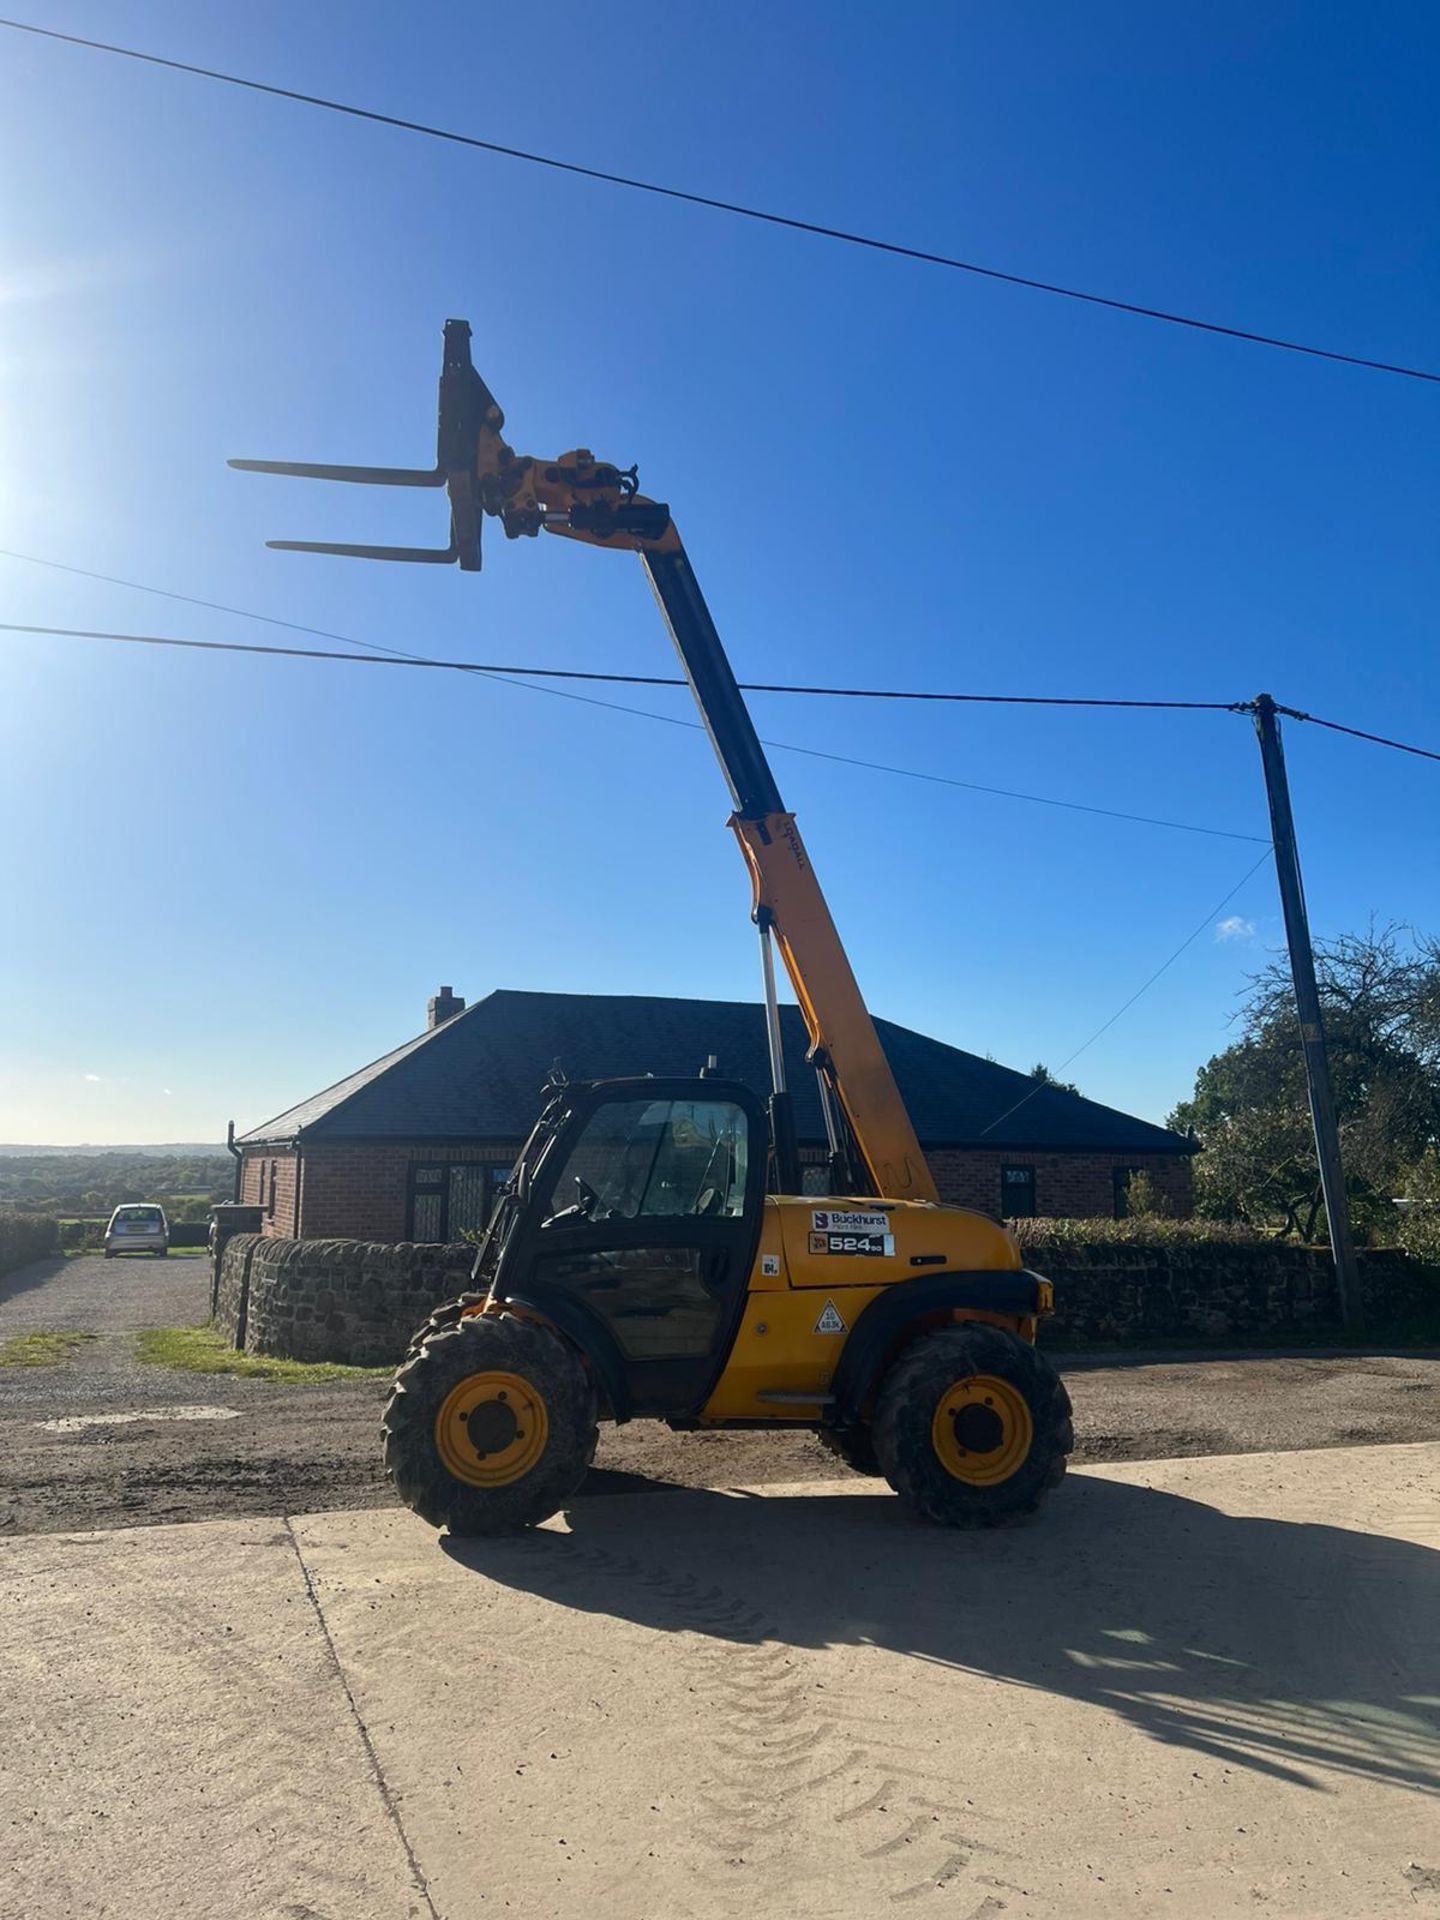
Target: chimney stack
point(443, 1007)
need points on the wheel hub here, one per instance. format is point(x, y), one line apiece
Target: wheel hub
point(492, 1426)
point(491, 1429)
point(978, 1429)
point(982, 1431)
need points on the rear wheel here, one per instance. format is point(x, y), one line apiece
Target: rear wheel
point(490, 1426)
point(972, 1426)
point(855, 1446)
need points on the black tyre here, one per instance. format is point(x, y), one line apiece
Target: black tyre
point(855, 1446)
point(446, 1315)
point(972, 1426)
point(490, 1426)
point(162, 1253)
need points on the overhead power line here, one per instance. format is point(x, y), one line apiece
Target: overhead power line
point(1138, 994)
point(394, 658)
point(1358, 733)
point(788, 221)
point(616, 679)
point(746, 686)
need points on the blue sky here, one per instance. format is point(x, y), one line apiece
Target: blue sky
point(232, 880)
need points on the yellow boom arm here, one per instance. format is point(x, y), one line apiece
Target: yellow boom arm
point(580, 498)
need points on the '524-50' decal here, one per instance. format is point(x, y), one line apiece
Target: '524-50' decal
point(864, 1234)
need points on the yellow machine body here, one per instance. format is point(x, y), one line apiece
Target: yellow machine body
point(807, 1290)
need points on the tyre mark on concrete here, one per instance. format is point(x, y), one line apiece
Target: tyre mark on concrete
point(779, 1745)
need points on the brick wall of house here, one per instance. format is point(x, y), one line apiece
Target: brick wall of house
point(362, 1192)
point(268, 1179)
point(349, 1192)
point(1067, 1185)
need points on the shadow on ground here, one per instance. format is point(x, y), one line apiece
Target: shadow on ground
point(1288, 1648)
point(26, 1279)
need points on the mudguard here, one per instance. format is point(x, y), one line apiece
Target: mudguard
point(584, 1328)
point(889, 1313)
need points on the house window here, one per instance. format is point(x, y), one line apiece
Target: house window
point(450, 1199)
point(1120, 1178)
point(1017, 1193)
point(270, 1203)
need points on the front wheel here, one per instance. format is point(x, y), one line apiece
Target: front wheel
point(449, 1314)
point(490, 1426)
point(972, 1426)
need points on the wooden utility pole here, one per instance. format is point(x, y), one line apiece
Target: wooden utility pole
point(1307, 1007)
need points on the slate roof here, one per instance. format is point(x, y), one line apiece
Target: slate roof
point(478, 1077)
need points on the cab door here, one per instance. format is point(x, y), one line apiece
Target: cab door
point(647, 1212)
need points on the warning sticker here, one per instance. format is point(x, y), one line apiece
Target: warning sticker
point(830, 1321)
point(770, 1265)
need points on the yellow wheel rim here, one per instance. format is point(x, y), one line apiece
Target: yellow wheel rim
point(491, 1429)
point(982, 1430)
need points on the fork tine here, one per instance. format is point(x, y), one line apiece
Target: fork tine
point(425, 556)
point(357, 476)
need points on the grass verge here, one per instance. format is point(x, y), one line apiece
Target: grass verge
point(206, 1350)
point(40, 1349)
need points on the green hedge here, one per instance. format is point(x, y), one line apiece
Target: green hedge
point(1143, 1230)
point(25, 1237)
point(91, 1233)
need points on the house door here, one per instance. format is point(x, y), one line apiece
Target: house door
point(450, 1199)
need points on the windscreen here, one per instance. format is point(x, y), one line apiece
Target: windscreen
point(656, 1158)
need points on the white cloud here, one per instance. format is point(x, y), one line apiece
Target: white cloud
point(1234, 928)
point(92, 1076)
point(166, 1089)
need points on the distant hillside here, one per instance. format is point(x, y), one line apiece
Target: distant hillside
point(83, 1183)
point(171, 1150)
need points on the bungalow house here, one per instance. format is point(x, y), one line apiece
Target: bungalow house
point(416, 1145)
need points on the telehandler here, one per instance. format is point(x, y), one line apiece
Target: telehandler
point(653, 1254)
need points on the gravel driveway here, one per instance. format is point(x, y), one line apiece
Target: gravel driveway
point(259, 1447)
point(91, 1294)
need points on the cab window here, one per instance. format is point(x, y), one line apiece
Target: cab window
point(655, 1159)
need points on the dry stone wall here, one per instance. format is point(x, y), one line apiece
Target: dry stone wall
point(359, 1301)
point(355, 1301)
point(1126, 1295)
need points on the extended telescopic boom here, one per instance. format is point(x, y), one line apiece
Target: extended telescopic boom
point(580, 498)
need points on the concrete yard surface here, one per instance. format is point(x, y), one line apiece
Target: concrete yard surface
point(1196, 1687)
